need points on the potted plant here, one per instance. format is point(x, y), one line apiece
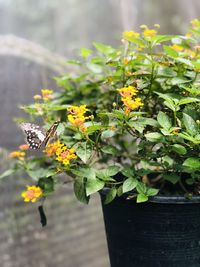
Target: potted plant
point(128, 126)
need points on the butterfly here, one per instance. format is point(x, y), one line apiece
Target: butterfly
point(36, 136)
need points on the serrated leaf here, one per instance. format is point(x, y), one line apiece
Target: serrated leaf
point(110, 195)
point(93, 186)
point(129, 184)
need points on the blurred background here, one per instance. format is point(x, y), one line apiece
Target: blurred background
point(36, 38)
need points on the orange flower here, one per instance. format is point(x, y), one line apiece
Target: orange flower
point(17, 154)
point(128, 93)
point(24, 147)
point(132, 104)
point(66, 155)
point(52, 148)
point(32, 193)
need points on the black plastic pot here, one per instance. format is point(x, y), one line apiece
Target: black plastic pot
point(164, 232)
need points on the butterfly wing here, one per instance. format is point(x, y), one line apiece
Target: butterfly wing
point(35, 135)
point(51, 132)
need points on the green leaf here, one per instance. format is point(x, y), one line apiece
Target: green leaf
point(110, 150)
point(190, 125)
point(129, 184)
point(170, 51)
point(152, 192)
point(164, 120)
point(192, 163)
point(141, 198)
point(105, 173)
point(96, 68)
point(120, 191)
point(141, 188)
point(172, 178)
point(127, 171)
point(104, 49)
point(85, 52)
point(179, 80)
point(84, 151)
point(93, 186)
point(7, 173)
point(187, 100)
point(181, 150)
point(110, 195)
point(86, 172)
point(41, 172)
point(79, 190)
point(47, 185)
point(154, 137)
point(107, 134)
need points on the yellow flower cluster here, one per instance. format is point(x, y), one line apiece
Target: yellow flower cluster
point(128, 93)
point(32, 193)
point(46, 94)
point(62, 153)
point(19, 154)
point(149, 32)
point(66, 155)
point(130, 34)
point(77, 116)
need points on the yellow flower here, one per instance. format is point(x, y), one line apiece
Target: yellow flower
point(65, 155)
point(127, 92)
point(149, 32)
point(130, 34)
point(52, 148)
point(32, 193)
point(77, 116)
point(17, 154)
point(177, 48)
point(24, 147)
point(47, 94)
point(126, 61)
point(132, 104)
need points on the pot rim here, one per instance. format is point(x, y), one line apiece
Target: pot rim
point(176, 199)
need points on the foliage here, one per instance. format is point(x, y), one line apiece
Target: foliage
point(130, 120)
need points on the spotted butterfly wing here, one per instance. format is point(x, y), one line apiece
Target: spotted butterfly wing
point(36, 136)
